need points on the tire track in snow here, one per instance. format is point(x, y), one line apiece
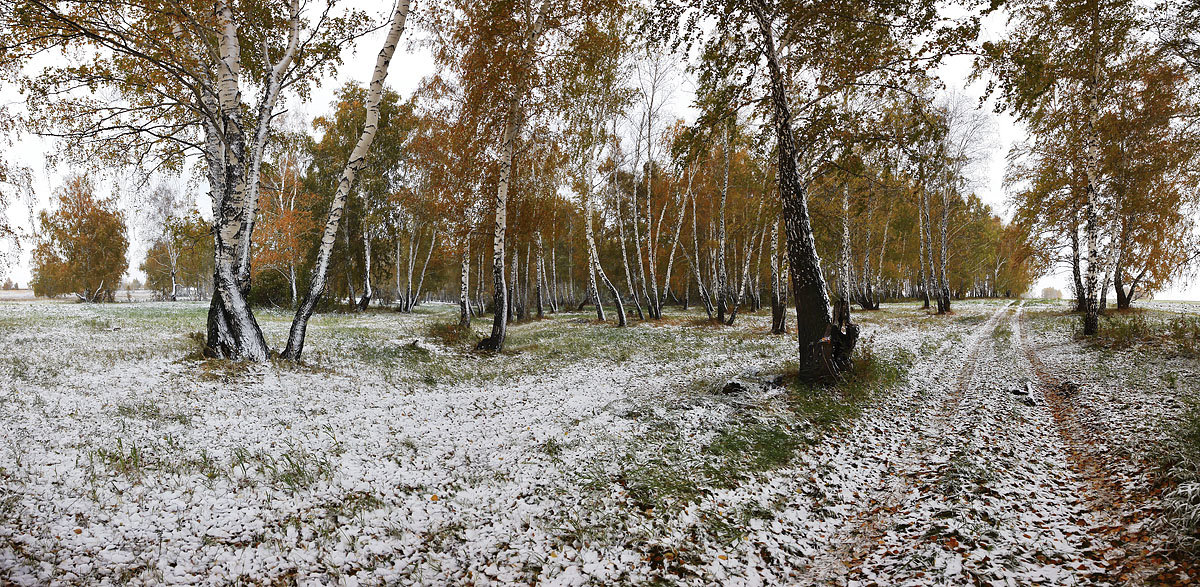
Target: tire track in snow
point(880, 449)
point(991, 497)
point(1124, 510)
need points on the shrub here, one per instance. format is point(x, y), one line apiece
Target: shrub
point(450, 334)
point(1184, 331)
point(1124, 332)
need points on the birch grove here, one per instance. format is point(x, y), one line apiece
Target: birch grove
point(599, 292)
point(548, 152)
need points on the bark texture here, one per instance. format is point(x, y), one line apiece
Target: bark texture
point(825, 348)
point(358, 157)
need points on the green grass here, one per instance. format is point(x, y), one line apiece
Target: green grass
point(552, 447)
point(1184, 331)
point(295, 469)
point(353, 504)
point(962, 474)
point(128, 461)
point(147, 410)
point(1002, 334)
point(829, 406)
point(756, 447)
point(669, 472)
point(1120, 332)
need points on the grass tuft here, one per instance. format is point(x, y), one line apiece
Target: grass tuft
point(1184, 331)
point(1182, 460)
point(829, 406)
point(130, 462)
point(451, 334)
point(147, 410)
point(1002, 334)
point(756, 447)
point(1123, 332)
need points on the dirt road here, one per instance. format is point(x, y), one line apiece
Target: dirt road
point(983, 477)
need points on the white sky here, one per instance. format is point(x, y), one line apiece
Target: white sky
point(413, 63)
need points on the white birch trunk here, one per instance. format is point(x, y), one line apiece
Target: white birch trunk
point(540, 281)
point(944, 305)
point(424, 268)
point(295, 345)
point(722, 285)
point(675, 242)
point(1091, 318)
point(464, 286)
point(233, 332)
point(365, 302)
point(824, 350)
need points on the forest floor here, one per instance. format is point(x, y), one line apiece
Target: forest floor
point(989, 446)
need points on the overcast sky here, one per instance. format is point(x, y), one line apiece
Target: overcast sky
point(412, 64)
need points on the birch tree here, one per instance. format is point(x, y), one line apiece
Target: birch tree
point(1065, 57)
point(741, 47)
point(82, 245)
point(317, 282)
point(182, 86)
point(592, 92)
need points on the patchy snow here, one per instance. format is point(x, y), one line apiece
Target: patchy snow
point(587, 456)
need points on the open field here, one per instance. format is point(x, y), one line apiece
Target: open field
point(990, 446)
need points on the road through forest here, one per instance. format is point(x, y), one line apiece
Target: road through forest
point(982, 475)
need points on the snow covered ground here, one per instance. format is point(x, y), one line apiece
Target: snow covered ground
point(585, 454)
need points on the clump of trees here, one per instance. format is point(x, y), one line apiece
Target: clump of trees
point(538, 170)
point(1108, 171)
point(181, 257)
point(81, 245)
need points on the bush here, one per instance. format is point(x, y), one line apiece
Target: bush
point(1184, 331)
point(1119, 332)
point(271, 289)
point(450, 334)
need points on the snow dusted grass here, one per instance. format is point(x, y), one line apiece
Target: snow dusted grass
point(1182, 459)
point(583, 453)
point(576, 453)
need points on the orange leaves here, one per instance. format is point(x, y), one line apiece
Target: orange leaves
point(283, 233)
point(82, 244)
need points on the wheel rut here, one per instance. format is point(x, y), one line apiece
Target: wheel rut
point(894, 452)
point(1123, 493)
point(983, 490)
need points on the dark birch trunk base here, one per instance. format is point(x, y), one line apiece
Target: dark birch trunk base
point(233, 333)
point(778, 316)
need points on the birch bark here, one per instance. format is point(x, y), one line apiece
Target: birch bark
point(464, 286)
point(512, 128)
point(233, 333)
point(358, 157)
point(824, 351)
